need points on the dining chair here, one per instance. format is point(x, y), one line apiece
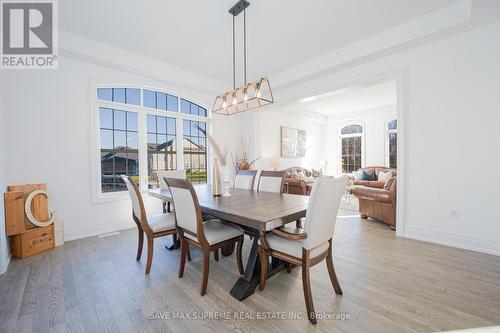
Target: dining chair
point(167, 207)
point(180, 174)
point(245, 179)
point(310, 246)
point(207, 235)
point(271, 181)
point(153, 226)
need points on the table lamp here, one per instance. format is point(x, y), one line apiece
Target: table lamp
point(275, 163)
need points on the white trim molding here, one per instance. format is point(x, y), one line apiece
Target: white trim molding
point(91, 230)
point(454, 240)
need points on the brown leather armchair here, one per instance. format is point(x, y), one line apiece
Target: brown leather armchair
point(378, 203)
point(298, 185)
point(374, 183)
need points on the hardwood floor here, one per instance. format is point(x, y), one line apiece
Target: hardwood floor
point(390, 285)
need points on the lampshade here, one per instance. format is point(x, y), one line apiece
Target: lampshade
point(275, 163)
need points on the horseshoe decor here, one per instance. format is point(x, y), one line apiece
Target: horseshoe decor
point(29, 213)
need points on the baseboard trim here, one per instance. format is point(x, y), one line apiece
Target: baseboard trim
point(97, 229)
point(453, 240)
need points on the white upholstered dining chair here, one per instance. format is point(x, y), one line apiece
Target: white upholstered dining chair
point(208, 236)
point(271, 181)
point(245, 179)
point(310, 246)
point(179, 174)
point(153, 226)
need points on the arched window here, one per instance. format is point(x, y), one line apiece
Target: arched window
point(392, 144)
point(351, 147)
point(142, 131)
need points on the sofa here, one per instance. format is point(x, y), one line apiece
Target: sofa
point(375, 182)
point(378, 203)
point(299, 180)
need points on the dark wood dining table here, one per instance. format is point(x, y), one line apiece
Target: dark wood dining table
point(255, 212)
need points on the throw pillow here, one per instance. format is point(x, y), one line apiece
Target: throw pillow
point(383, 176)
point(308, 179)
point(294, 175)
point(368, 175)
point(315, 173)
point(358, 175)
point(388, 183)
point(301, 174)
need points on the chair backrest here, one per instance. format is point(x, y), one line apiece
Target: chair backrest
point(322, 210)
point(187, 208)
point(271, 181)
point(245, 179)
point(180, 174)
point(136, 198)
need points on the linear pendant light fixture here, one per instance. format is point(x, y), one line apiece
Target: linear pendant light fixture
point(251, 95)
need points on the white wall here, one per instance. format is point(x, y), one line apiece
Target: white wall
point(228, 131)
point(47, 116)
point(268, 138)
point(374, 123)
point(4, 248)
point(451, 134)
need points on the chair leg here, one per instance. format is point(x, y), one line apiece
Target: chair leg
point(298, 223)
point(188, 251)
point(206, 262)
point(182, 259)
point(264, 263)
point(306, 283)
point(150, 253)
point(216, 254)
point(331, 272)
point(140, 246)
point(288, 267)
point(239, 260)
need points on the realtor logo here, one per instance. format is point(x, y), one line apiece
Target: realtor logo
point(29, 35)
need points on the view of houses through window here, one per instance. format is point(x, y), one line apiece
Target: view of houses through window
point(120, 113)
point(351, 142)
point(392, 132)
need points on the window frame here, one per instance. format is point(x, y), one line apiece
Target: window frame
point(342, 136)
point(142, 111)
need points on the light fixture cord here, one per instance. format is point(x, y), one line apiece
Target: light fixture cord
point(245, 42)
point(234, 59)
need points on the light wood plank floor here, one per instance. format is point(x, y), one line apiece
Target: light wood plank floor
point(390, 285)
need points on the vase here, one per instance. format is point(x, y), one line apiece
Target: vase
point(226, 182)
point(216, 190)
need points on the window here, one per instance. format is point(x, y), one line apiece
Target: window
point(162, 153)
point(351, 147)
point(190, 108)
point(119, 148)
point(160, 101)
point(392, 143)
point(143, 128)
point(120, 95)
point(195, 152)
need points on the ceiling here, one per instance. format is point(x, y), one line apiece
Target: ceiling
point(196, 35)
point(352, 99)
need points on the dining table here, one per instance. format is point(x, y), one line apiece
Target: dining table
point(256, 212)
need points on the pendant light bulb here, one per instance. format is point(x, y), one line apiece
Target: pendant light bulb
point(245, 94)
point(257, 91)
point(234, 100)
point(224, 103)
